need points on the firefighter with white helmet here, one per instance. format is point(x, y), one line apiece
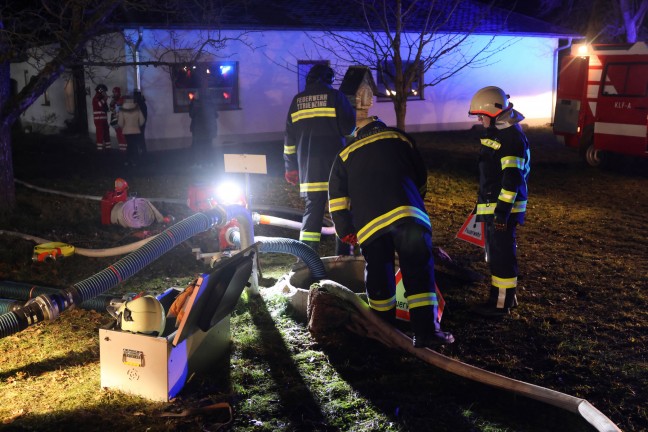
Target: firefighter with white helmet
point(376, 191)
point(504, 165)
point(318, 121)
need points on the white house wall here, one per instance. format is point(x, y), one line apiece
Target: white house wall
point(268, 81)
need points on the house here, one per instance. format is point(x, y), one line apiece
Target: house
point(255, 77)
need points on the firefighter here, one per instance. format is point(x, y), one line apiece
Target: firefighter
point(318, 121)
point(100, 116)
point(504, 158)
point(376, 192)
point(115, 105)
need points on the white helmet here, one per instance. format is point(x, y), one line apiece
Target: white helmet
point(490, 101)
point(144, 314)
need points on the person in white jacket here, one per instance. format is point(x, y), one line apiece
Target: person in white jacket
point(130, 119)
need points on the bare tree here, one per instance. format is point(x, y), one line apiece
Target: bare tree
point(59, 37)
point(602, 21)
point(404, 41)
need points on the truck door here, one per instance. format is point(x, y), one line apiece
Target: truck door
point(570, 97)
point(621, 122)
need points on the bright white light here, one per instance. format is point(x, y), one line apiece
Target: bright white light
point(229, 193)
point(583, 50)
point(224, 69)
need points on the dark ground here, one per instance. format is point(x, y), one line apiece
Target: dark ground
point(581, 328)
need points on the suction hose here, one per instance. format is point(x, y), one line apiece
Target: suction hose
point(49, 306)
point(14, 294)
point(295, 247)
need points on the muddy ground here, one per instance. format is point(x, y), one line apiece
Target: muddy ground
point(581, 327)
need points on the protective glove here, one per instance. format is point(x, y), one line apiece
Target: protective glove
point(292, 177)
point(500, 223)
point(350, 239)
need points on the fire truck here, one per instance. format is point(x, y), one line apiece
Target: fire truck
point(602, 100)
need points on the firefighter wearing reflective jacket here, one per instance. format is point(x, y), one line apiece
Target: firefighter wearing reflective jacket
point(376, 191)
point(504, 159)
point(100, 117)
point(318, 121)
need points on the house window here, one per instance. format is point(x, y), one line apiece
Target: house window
point(219, 80)
point(385, 82)
point(303, 67)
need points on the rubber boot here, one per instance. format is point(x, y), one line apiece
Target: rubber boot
point(427, 329)
point(490, 309)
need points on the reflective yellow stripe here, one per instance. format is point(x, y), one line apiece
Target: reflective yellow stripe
point(290, 149)
point(491, 143)
point(338, 204)
point(519, 207)
point(489, 209)
point(504, 283)
point(310, 236)
point(423, 299)
point(312, 112)
point(507, 196)
point(313, 187)
point(388, 218)
point(382, 305)
point(344, 154)
point(512, 162)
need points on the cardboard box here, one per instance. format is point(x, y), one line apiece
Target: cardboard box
point(157, 367)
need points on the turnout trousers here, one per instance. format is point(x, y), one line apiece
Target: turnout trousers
point(501, 250)
point(315, 205)
point(413, 244)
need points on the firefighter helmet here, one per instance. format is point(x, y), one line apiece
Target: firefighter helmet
point(490, 101)
point(320, 73)
point(144, 314)
point(120, 185)
point(102, 88)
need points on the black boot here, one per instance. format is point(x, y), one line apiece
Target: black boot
point(427, 330)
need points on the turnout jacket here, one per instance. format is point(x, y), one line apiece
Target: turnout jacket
point(318, 121)
point(377, 182)
point(99, 107)
point(504, 159)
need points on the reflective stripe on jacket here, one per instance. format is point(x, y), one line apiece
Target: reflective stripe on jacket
point(504, 166)
point(318, 121)
point(376, 183)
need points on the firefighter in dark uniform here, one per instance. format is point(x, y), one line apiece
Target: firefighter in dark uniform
point(376, 191)
point(319, 119)
point(504, 159)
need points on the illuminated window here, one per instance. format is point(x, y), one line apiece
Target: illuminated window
point(385, 82)
point(303, 67)
point(218, 80)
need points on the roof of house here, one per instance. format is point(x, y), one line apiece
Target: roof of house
point(339, 15)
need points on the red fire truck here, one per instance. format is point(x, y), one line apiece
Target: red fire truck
point(602, 100)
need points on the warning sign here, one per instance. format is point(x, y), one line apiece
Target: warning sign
point(402, 309)
point(472, 231)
